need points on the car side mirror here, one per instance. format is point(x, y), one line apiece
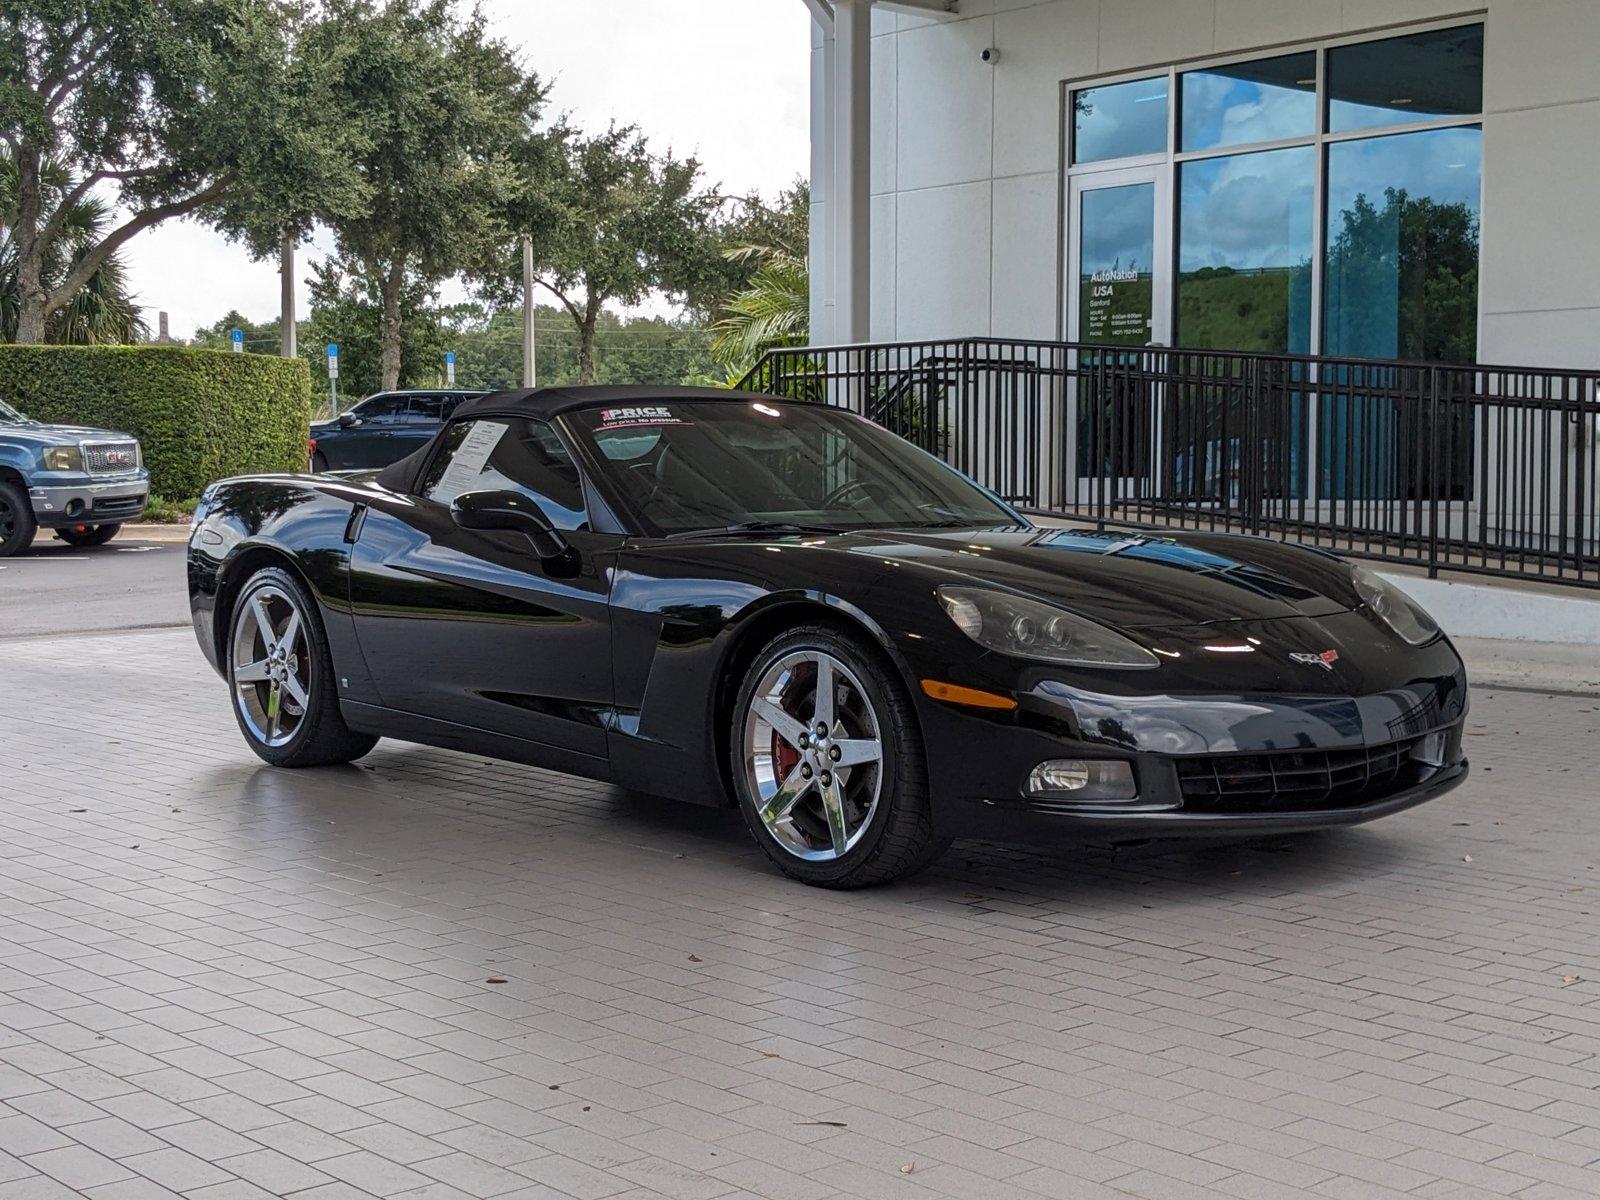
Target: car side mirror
point(348, 420)
point(511, 510)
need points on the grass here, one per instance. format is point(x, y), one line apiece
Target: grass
point(159, 510)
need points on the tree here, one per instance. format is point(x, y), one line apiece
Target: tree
point(260, 337)
point(103, 310)
point(441, 107)
point(773, 311)
point(349, 307)
point(752, 223)
point(181, 106)
point(615, 223)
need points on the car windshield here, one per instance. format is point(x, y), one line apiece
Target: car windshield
point(10, 416)
point(710, 464)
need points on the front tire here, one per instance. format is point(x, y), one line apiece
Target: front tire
point(88, 535)
point(17, 525)
point(828, 763)
point(285, 697)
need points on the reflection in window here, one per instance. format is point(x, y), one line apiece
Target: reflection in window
point(1116, 302)
point(1401, 282)
point(1261, 101)
point(1404, 79)
point(1402, 238)
point(1115, 261)
point(1119, 120)
point(1244, 251)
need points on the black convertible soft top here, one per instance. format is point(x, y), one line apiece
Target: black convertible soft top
point(542, 404)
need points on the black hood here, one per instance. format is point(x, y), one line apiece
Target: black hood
point(1127, 579)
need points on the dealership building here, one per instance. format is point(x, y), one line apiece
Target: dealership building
point(1319, 269)
point(1385, 178)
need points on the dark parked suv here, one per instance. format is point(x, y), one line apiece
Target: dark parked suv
point(381, 429)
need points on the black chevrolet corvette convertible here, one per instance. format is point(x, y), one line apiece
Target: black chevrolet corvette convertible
point(737, 599)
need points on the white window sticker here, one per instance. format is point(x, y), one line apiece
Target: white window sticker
point(625, 418)
point(467, 463)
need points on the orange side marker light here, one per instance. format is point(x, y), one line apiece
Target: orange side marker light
point(954, 693)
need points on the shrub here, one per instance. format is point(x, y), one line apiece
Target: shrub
point(199, 414)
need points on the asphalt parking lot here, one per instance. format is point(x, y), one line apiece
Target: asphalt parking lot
point(436, 976)
point(135, 581)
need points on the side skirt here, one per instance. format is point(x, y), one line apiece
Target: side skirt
point(429, 731)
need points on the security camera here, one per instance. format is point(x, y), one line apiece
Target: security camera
point(990, 55)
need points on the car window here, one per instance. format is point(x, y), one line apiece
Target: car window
point(384, 410)
point(513, 455)
point(703, 464)
point(430, 408)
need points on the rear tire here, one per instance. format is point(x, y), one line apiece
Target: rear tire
point(840, 802)
point(285, 696)
point(88, 535)
point(17, 525)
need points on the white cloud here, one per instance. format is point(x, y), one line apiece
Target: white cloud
point(725, 80)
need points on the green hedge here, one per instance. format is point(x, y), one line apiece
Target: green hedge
point(199, 414)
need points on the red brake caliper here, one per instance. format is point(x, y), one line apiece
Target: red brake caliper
point(785, 756)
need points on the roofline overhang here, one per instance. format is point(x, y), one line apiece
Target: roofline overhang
point(822, 10)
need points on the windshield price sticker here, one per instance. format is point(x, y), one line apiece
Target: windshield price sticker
point(467, 463)
point(625, 418)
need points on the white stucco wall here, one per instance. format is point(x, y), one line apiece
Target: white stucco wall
point(967, 157)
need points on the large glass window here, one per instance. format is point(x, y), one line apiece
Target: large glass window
point(1120, 120)
point(1245, 245)
point(1402, 246)
point(1262, 101)
point(1389, 272)
point(1420, 77)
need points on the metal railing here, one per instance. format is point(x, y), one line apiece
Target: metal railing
point(1471, 468)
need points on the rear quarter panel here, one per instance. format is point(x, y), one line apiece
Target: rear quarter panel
point(292, 521)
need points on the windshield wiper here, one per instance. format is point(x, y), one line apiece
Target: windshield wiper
point(742, 527)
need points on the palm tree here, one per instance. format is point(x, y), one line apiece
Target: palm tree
point(772, 311)
point(104, 311)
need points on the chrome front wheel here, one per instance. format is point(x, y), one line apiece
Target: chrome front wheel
point(813, 755)
point(272, 668)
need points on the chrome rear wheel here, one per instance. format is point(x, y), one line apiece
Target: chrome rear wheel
point(272, 668)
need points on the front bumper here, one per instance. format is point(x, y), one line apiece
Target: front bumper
point(1236, 764)
point(86, 500)
point(1024, 823)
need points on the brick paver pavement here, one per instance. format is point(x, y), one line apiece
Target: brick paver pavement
point(435, 976)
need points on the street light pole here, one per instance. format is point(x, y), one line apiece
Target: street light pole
point(286, 340)
point(530, 365)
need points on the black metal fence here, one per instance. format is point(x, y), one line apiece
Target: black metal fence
point(1470, 468)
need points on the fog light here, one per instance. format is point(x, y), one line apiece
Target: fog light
point(1083, 779)
point(1430, 750)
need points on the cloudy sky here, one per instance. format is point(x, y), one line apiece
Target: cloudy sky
point(723, 79)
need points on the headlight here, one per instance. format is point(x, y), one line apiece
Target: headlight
point(63, 458)
point(1031, 629)
point(1394, 608)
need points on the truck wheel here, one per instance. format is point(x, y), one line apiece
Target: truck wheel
point(285, 696)
point(87, 535)
point(17, 525)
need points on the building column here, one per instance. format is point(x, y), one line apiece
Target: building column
point(852, 170)
point(841, 172)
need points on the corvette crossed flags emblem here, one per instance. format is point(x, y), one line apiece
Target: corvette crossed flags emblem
point(1325, 660)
